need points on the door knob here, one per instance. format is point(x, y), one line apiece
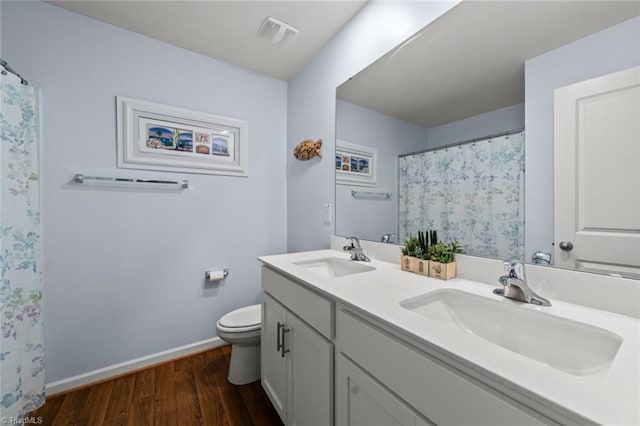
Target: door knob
point(566, 245)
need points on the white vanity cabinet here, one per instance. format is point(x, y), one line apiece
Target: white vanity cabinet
point(358, 352)
point(297, 359)
point(397, 381)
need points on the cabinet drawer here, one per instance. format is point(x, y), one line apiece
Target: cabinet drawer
point(315, 310)
point(440, 394)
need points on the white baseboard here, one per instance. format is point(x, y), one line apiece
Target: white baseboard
point(129, 366)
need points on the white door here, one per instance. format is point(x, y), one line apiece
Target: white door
point(274, 367)
point(362, 401)
point(597, 174)
point(309, 378)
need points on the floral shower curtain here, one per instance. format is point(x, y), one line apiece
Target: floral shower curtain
point(473, 193)
point(21, 339)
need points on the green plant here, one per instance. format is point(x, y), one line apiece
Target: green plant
point(434, 237)
point(444, 252)
point(410, 246)
point(423, 240)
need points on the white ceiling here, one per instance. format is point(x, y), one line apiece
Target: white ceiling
point(226, 30)
point(471, 60)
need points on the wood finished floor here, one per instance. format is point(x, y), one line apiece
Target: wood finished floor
point(190, 391)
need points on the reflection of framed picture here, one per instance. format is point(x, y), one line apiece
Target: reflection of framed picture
point(355, 164)
point(153, 136)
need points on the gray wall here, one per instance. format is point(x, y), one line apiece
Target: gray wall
point(367, 218)
point(490, 123)
point(311, 107)
point(608, 51)
point(124, 269)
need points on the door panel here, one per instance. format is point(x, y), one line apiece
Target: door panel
point(597, 174)
point(310, 361)
point(364, 402)
point(274, 370)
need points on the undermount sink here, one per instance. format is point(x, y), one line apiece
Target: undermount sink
point(567, 345)
point(333, 266)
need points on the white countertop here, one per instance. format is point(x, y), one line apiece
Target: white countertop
point(608, 397)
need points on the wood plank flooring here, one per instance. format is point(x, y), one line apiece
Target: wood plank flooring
point(190, 391)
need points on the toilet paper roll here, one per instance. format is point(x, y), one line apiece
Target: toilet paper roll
point(215, 276)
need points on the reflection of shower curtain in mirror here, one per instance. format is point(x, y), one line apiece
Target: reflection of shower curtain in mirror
point(473, 193)
point(21, 341)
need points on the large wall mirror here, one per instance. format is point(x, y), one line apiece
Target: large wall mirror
point(457, 130)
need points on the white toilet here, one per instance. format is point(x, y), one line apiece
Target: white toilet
point(241, 328)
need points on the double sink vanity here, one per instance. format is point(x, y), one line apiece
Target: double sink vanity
point(365, 343)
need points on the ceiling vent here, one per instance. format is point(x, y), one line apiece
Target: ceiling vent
point(277, 32)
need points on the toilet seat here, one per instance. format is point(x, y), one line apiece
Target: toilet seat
point(238, 329)
point(242, 320)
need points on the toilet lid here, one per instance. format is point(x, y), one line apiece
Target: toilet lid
point(243, 317)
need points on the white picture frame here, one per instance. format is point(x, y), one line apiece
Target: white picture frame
point(153, 136)
point(356, 165)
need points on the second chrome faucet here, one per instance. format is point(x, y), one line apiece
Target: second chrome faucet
point(515, 285)
point(355, 250)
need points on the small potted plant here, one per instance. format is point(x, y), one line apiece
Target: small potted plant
point(415, 254)
point(409, 253)
point(442, 259)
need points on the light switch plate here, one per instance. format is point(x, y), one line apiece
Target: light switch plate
point(326, 213)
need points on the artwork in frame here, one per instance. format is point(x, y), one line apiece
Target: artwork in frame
point(355, 164)
point(153, 136)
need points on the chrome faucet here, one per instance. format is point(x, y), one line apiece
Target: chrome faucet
point(387, 238)
point(541, 258)
point(515, 285)
point(355, 250)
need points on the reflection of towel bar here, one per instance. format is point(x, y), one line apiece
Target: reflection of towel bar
point(81, 179)
point(369, 194)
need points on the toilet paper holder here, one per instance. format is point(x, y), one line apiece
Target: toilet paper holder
point(216, 275)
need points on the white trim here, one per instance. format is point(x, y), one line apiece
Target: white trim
point(129, 366)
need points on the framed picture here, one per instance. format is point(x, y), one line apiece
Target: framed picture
point(356, 164)
point(154, 136)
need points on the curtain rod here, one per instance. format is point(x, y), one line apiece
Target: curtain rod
point(8, 69)
point(452, 145)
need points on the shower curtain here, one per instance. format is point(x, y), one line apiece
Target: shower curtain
point(473, 193)
point(21, 338)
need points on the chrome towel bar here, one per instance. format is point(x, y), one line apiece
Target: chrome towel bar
point(81, 179)
point(370, 194)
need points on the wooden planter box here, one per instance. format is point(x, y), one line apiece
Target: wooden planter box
point(444, 271)
point(421, 267)
point(415, 265)
point(405, 263)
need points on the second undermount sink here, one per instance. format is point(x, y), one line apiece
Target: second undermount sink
point(567, 345)
point(333, 266)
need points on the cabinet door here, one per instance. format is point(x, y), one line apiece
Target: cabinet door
point(274, 370)
point(309, 375)
point(362, 401)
